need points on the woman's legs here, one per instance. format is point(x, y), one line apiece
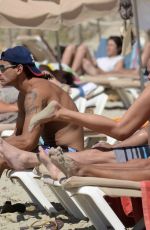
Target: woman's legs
point(120, 171)
point(73, 56)
point(68, 55)
point(89, 68)
point(81, 53)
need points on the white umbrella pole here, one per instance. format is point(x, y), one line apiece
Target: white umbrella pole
point(138, 42)
point(80, 34)
point(58, 50)
point(99, 28)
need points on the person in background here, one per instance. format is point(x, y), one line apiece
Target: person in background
point(79, 58)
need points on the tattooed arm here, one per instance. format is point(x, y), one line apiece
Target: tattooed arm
point(29, 105)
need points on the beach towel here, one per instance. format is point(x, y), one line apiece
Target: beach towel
point(145, 188)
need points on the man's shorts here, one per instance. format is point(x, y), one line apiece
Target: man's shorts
point(125, 154)
point(64, 148)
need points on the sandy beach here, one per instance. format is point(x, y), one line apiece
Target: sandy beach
point(34, 218)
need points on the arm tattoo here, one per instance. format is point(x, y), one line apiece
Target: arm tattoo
point(30, 105)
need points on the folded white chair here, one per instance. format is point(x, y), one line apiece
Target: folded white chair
point(27, 179)
point(74, 93)
point(100, 104)
point(95, 92)
point(64, 197)
point(90, 194)
point(81, 104)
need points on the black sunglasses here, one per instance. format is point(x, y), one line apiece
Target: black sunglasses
point(5, 67)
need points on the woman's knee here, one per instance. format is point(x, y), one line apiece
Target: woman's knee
point(82, 48)
point(71, 48)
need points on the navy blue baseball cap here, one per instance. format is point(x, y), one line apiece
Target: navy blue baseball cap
point(21, 55)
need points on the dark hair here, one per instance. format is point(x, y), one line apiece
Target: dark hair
point(118, 41)
point(28, 73)
point(60, 75)
point(49, 75)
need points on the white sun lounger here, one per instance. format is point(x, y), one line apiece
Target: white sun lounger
point(81, 104)
point(28, 178)
point(90, 192)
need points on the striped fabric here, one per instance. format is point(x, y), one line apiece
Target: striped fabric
point(125, 154)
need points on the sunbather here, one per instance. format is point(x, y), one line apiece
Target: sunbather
point(132, 170)
point(17, 68)
point(81, 58)
point(136, 170)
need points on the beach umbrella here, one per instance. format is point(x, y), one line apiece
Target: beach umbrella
point(51, 14)
point(29, 14)
point(78, 11)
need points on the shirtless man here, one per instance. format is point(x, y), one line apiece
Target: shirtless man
point(17, 68)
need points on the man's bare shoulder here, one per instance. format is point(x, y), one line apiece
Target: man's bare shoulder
point(43, 84)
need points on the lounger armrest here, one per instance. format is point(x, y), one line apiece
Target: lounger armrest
point(75, 181)
point(125, 84)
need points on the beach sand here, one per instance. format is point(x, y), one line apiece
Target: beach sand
point(33, 217)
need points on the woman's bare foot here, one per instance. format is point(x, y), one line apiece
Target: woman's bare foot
point(67, 165)
point(44, 158)
point(47, 114)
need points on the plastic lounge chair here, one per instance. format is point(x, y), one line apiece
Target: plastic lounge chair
point(65, 198)
point(90, 194)
point(81, 104)
point(95, 92)
point(84, 90)
point(27, 180)
point(128, 91)
point(121, 86)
